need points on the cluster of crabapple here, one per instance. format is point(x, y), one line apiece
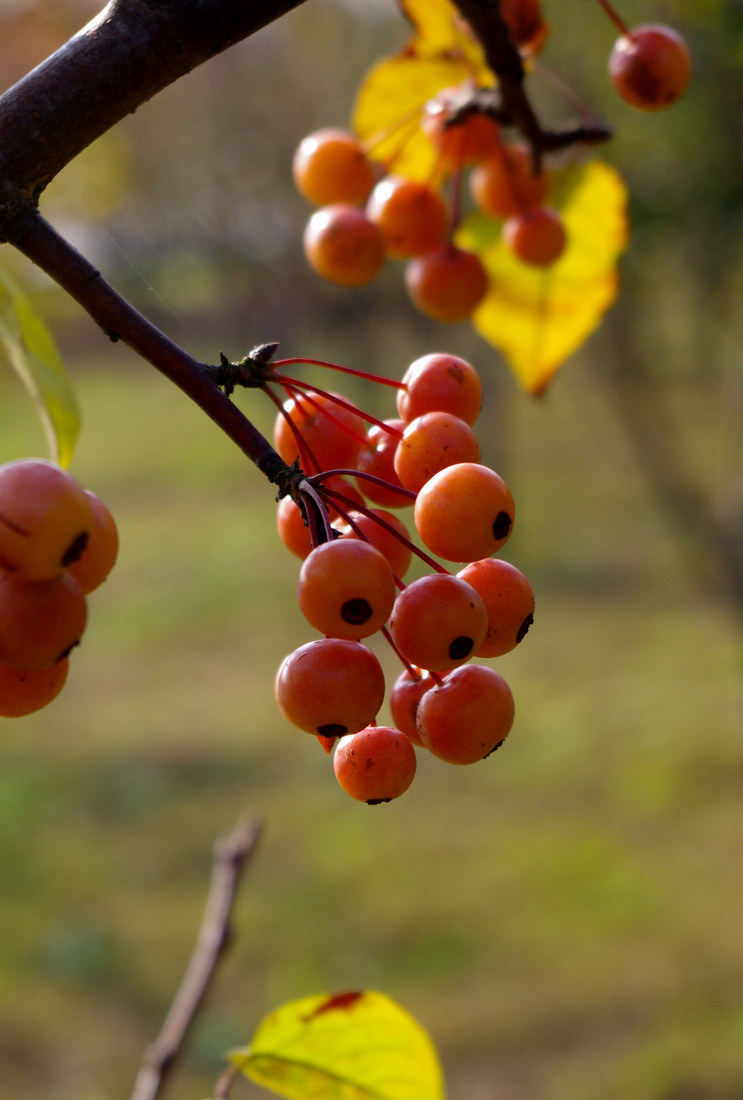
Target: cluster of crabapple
point(341, 518)
point(58, 543)
point(368, 214)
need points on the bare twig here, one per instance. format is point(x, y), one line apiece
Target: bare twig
point(231, 854)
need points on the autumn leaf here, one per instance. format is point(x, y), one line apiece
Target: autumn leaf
point(537, 317)
point(347, 1046)
point(390, 101)
point(33, 355)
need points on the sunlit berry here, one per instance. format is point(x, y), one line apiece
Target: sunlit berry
point(509, 601)
point(440, 382)
point(375, 765)
point(319, 428)
point(331, 686)
point(430, 443)
point(405, 695)
point(446, 284)
point(24, 691)
point(505, 184)
point(45, 519)
point(465, 512)
point(385, 531)
point(330, 166)
point(101, 550)
point(412, 215)
point(650, 67)
point(343, 245)
point(40, 622)
point(346, 588)
point(467, 716)
point(377, 458)
point(438, 621)
point(460, 138)
point(537, 237)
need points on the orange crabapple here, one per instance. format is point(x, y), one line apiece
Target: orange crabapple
point(45, 519)
point(430, 443)
point(377, 458)
point(40, 621)
point(375, 529)
point(346, 588)
point(413, 216)
point(343, 245)
point(650, 67)
point(505, 184)
point(467, 716)
point(99, 556)
point(509, 601)
point(330, 166)
point(375, 765)
point(24, 691)
point(330, 686)
point(405, 695)
point(447, 283)
point(438, 621)
point(537, 237)
point(332, 433)
point(460, 139)
point(440, 382)
point(464, 512)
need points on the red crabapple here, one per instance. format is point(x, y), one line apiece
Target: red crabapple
point(465, 512)
point(343, 245)
point(438, 621)
point(375, 765)
point(346, 588)
point(468, 715)
point(509, 602)
point(650, 67)
point(331, 686)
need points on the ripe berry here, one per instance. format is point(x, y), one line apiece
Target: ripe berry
point(99, 556)
point(447, 284)
point(465, 512)
point(39, 622)
point(430, 443)
point(346, 588)
point(375, 765)
point(505, 184)
point(459, 139)
point(332, 434)
point(440, 382)
point(24, 691)
point(467, 716)
point(375, 528)
point(331, 687)
point(537, 237)
point(343, 245)
point(405, 695)
point(378, 459)
point(509, 602)
point(650, 67)
point(438, 621)
point(524, 20)
point(330, 166)
point(45, 519)
point(413, 216)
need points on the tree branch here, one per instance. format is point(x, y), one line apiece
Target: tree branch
point(230, 857)
point(130, 51)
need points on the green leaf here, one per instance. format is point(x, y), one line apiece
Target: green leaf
point(33, 355)
point(347, 1046)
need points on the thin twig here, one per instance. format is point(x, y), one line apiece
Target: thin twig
point(231, 854)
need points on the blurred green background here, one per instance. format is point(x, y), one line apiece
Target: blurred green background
point(566, 918)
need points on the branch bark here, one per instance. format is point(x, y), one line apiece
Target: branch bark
point(130, 51)
point(230, 857)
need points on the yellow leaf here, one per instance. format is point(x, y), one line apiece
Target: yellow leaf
point(391, 97)
point(538, 316)
point(348, 1046)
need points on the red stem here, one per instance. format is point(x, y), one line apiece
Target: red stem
point(614, 16)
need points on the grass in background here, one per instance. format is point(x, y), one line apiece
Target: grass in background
point(565, 917)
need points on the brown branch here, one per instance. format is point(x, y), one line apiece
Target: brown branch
point(230, 857)
point(40, 242)
point(130, 51)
